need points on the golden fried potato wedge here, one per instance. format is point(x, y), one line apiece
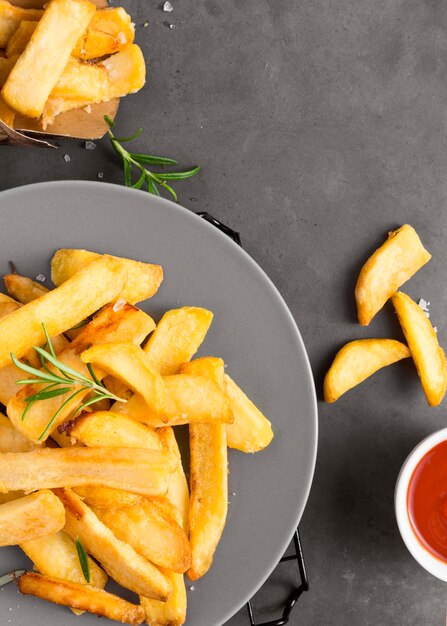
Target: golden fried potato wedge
point(251, 431)
point(132, 366)
point(10, 438)
point(81, 597)
point(210, 367)
point(422, 340)
point(119, 560)
point(56, 555)
point(104, 429)
point(189, 399)
point(139, 471)
point(22, 288)
point(358, 360)
point(125, 324)
point(19, 39)
point(34, 76)
point(391, 265)
point(177, 338)
point(61, 308)
point(172, 612)
point(178, 489)
point(30, 517)
point(152, 532)
point(209, 493)
point(10, 18)
point(107, 498)
point(143, 279)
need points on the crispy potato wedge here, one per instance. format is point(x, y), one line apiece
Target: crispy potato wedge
point(136, 470)
point(209, 493)
point(126, 71)
point(119, 560)
point(209, 476)
point(104, 429)
point(30, 517)
point(82, 81)
point(172, 612)
point(10, 438)
point(34, 76)
point(80, 597)
point(61, 308)
point(23, 289)
point(126, 324)
point(177, 338)
point(132, 366)
point(391, 265)
point(107, 498)
point(10, 18)
point(189, 399)
point(109, 31)
point(117, 387)
point(428, 356)
point(251, 431)
point(55, 555)
point(143, 279)
point(152, 532)
point(178, 489)
point(358, 360)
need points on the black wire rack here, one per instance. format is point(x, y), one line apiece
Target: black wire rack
point(297, 555)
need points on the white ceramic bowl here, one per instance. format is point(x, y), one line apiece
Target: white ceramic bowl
point(422, 555)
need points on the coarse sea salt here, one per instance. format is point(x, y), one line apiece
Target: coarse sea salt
point(67, 158)
point(90, 145)
point(168, 7)
point(41, 278)
point(119, 305)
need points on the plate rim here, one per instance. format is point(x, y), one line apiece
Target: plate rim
point(188, 214)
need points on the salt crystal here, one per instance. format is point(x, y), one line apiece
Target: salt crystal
point(89, 145)
point(233, 493)
point(87, 109)
point(168, 7)
point(435, 328)
point(122, 38)
point(146, 24)
point(41, 278)
point(101, 175)
point(172, 26)
point(427, 313)
point(119, 305)
point(423, 304)
point(67, 158)
point(192, 588)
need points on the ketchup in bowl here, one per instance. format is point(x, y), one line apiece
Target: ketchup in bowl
point(427, 501)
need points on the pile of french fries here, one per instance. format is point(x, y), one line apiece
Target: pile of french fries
point(397, 260)
point(110, 478)
point(68, 56)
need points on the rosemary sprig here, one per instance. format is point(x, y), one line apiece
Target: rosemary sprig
point(135, 160)
point(83, 560)
point(59, 384)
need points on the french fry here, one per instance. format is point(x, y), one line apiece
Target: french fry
point(10, 18)
point(189, 399)
point(131, 365)
point(358, 360)
point(10, 438)
point(34, 76)
point(119, 560)
point(109, 31)
point(391, 265)
point(81, 597)
point(55, 555)
point(209, 476)
point(178, 490)
point(126, 71)
point(23, 289)
point(143, 279)
point(177, 338)
point(209, 493)
point(8, 307)
point(30, 517)
point(104, 429)
point(82, 81)
point(127, 324)
point(61, 308)
point(152, 532)
point(251, 431)
point(428, 356)
point(107, 498)
point(139, 471)
point(172, 612)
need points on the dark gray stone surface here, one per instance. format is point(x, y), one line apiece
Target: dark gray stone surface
point(319, 126)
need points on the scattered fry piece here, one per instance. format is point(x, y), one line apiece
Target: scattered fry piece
point(172, 612)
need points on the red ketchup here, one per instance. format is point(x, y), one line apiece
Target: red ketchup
point(427, 501)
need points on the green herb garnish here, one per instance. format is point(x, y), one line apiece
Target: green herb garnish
point(133, 160)
point(58, 385)
point(83, 560)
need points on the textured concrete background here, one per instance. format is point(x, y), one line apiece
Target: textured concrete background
point(319, 126)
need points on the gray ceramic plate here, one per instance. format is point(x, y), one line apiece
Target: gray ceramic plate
point(252, 330)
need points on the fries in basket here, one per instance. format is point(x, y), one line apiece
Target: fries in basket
point(92, 483)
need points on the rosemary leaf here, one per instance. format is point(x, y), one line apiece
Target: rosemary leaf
point(83, 560)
